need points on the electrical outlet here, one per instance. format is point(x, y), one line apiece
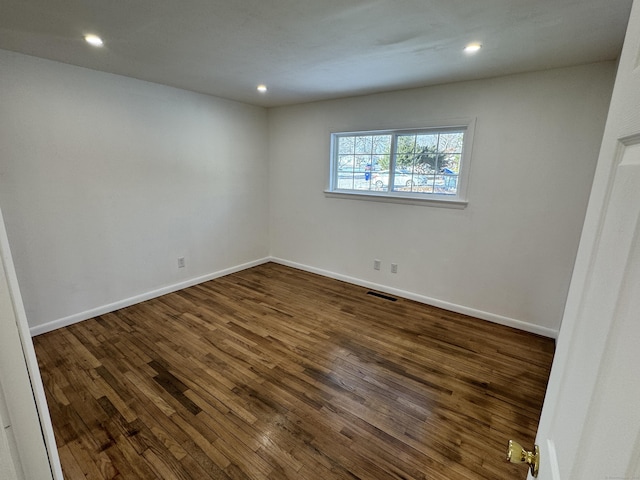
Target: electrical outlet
point(394, 268)
point(180, 262)
point(376, 264)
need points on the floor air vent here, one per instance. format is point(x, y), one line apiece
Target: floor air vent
point(380, 295)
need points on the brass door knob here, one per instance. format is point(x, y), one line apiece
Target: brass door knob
point(517, 454)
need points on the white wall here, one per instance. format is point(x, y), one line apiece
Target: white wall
point(106, 180)
point(508, 256)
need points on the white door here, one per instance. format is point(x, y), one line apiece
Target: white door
point(590, 423)
point(27, 444)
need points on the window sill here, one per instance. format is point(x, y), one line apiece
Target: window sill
point(402, 199)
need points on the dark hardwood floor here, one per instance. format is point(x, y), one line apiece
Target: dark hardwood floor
point(274, 373)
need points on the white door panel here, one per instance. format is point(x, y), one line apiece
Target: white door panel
point(590, 423)
point(613, 417)
point(29, 437)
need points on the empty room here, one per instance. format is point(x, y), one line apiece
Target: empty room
point(319, 240)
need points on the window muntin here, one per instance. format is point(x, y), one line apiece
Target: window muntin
point(423, 163)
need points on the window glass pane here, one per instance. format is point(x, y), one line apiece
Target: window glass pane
point(346, 144)
point(380, 180)
point(450, 184)
point(345, 171)
point(345, 182)
point(382, 144)
point(406, 143)
point(379, 162)
point(361, 162)
point(403, 179)
point(364, 144)
point(345, 163)
point(450, 170)
point(452, 162)
point(405, 161)
point(427, 142)
point(451, 142)
point(425, 163)
point(405, 152)
point(361, 182)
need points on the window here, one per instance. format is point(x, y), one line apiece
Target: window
point(425, 164)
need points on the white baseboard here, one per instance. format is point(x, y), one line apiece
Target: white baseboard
point(491, 317)
point(127, 302)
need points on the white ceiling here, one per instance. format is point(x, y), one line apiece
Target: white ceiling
point(307, 50)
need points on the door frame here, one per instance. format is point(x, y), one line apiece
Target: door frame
point(19, 404)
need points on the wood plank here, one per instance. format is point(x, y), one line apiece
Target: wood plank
point(273, 373)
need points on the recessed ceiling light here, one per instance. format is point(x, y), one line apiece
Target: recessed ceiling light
point(94, 40)
point(472, 48)
point(262, 88)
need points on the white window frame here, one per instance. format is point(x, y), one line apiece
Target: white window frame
point(459, 200)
